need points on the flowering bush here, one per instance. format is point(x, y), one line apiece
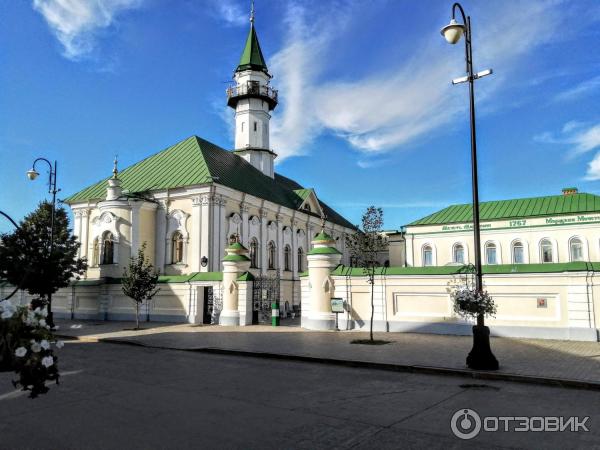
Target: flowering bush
point(26, 346)
point(469, 302)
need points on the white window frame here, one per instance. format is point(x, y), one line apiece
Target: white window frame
point(584, 248)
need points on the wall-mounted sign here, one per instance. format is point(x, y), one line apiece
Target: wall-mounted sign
point(337, 305)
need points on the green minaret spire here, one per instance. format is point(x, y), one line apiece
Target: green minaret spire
point(252, 57)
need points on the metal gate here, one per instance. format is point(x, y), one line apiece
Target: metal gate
point(265, 290)
point(208, 313)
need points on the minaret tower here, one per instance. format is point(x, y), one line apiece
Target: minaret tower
point(253, 99)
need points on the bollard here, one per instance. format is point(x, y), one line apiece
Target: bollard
point(275, 314)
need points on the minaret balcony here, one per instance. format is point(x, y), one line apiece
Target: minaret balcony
point(251, 89)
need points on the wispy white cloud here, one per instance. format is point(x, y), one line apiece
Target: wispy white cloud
point(593, 169)
point(77, 22)
point(578, 91)
point(578, 136)
point(401, 103)
point(231, 12)
point(297, 66)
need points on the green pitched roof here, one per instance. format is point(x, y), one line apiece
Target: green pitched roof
point(518, 208)
point(195, 161)
point(252, 57)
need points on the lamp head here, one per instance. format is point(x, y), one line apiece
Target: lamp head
point(204, 261)
point(32, 174)
point(453, 31)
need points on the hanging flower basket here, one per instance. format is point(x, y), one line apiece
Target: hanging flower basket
point(470, 303)
point(27, 347)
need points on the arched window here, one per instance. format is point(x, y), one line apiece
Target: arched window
point(177, 248)
point(491, 256)
point(108, 248)
point(96, 253)
point(458, 254)
point(546, 251)
point(271, 255)
point(427, 256)
point(254, 253)
point(518, 254)
point(300, 260)
point(576, 249)
point(287, 257)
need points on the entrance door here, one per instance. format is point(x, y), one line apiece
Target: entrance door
point(208, 305)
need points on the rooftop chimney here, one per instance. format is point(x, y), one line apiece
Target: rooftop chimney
point(569, 191)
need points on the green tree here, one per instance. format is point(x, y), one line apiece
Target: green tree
point(139, 281)
point(364, 245)
point(26, 261)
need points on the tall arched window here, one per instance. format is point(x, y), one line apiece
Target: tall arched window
point(108, 248)
point(491, 256)
point(177, 248)
point(254, 253)
point(458, 254)
point(576, 249)
point(271, 255)
point(546, 251)
point(300, 260)
point(427, 256)
point(287, 258)
point(518, 254)
point(96, 253)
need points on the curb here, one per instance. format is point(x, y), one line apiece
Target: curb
point(407, 368)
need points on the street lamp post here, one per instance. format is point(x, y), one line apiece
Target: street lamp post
point(481, 356)
point(32, 174)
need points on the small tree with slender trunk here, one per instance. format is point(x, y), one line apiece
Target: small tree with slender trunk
point(364, 246)
point(139, 281)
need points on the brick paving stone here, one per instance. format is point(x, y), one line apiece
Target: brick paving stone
point(570, 360)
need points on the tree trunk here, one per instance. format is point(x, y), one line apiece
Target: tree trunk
point(50, 317)
point(372, 305)
point(137, 315)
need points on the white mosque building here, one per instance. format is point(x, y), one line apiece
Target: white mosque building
point(186, 202)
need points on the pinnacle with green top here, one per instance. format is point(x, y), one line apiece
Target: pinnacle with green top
point(252, 57)
point(322, 237)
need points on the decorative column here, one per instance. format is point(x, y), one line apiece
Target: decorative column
point(85, 228)
point(135, 227)
point(77, 230)
point(160, 259)
point(322, 259)
point(195, 254)
point(279, 242)
point(295, 283)
point(245, 225)
point(263, 241)
point(205, 231)
point(235, 263)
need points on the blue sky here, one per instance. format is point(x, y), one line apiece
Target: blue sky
point(367, 113)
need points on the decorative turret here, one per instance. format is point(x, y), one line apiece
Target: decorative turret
point(253, 98)
point(114, 191)
point(322, 260)
point(235, 263)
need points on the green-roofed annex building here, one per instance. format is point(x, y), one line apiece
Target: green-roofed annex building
point(539, 230)
point(187, 202)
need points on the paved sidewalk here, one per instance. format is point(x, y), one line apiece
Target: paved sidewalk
point(567, 363)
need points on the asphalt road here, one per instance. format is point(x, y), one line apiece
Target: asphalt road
point(117, 396)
